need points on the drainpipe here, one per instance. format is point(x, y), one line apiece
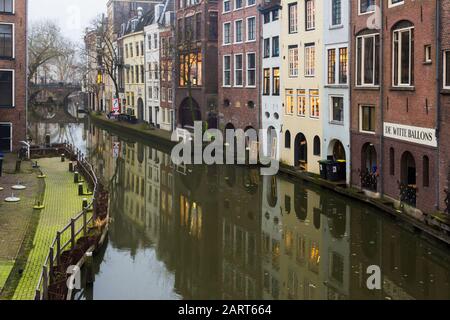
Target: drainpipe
point(438, 100)
point(26, 69)
point(381, 167)
point(350, 79)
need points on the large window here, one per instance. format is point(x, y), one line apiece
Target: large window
point(6, 40)
point(366, 6)
point(314, 103)
point(447, 69)
point(251, 29)
point(337, 109)
point(226, 71)
point(238, 65)
point(7, 6)
point(310, 14)
point(238, 31)
point(310, 60)
point(275, 46)
point(343, 65)
point(6, 88)
point(403, 57)
point(337, 72)
point(276, 81)
point(289, 101)
point(331, 66)
point(226, 5)
point(336, 12)
point(251, 69)
point(368, 60)
point(367, 118)
point(293, 61)
point(266, 48)
point(301, 102)
point(227, 33)
point(238, 4)
point(5, 137)
point(293, 22)
point(191, 69)
point(266, 83)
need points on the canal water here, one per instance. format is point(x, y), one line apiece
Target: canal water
point(225, 232)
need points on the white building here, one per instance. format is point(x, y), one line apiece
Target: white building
point(336, 114)
point(271, 110)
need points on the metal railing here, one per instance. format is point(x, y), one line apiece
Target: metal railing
point(67, 236)
point(369, 181)
point(408, 194)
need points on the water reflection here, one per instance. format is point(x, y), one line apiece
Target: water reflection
point(225, 232)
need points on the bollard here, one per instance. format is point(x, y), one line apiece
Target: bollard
point(80, 189)
point(85, 204)
point(75, 177)
point(90, 275)
point(63, 158)
point(71, 166)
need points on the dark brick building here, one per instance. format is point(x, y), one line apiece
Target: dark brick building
point(13, 74)
point(196, 62)
point(394, 101)
point(239, 62)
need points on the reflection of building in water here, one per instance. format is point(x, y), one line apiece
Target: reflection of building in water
point(74, 133)
point(152, 197)
point(240, 229)
point(272, 231)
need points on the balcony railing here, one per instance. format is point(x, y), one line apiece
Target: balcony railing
point(369, 181)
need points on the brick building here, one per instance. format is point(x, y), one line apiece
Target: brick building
point(196, 62)
point(239, 61)
point(13, 73)
point(394, 105)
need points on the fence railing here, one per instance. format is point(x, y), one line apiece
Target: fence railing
point(66, 237)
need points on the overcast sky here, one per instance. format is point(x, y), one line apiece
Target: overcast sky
point(73, 16)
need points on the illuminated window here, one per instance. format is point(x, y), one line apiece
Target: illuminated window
point(289, 101)
point(301, 102)
point(314, 103)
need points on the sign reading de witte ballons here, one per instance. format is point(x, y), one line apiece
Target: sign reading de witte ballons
point(425, 136)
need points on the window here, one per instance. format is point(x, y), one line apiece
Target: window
point(446, 75)
point(250, 2)
point(238, 4)
point(393, 3)
point(131, 50)
point(226, 71)
point(227, 33)
point(6, 41)
point(198, 26)
point(366, 6)
point(310, 15)
point(142, 48)
point(251, 69)
point(403, 57)
point(310, 60)
point(392, 161)
point(126, 49)
point(238, 63)
point(367, 116)
point(6, 88)
point(213, 23)
point(238, 31)
point(266, 17)
point(343, 65)
point(5, 137)
point(6, 6)
point(314, 103)
point(331, 66)
point(289, 101)
point(266, 82)
point(337, 110)
point(169, 95)
point(287, 141)
point(266, 48)
point(367, 60)
point(275, 46)
point(316, 148)
point(196, 67)
point(149, 42)
point(427, 58)
point(251, 29)
point(293, 22)
point(275, 15)
point(336, 12)
point(426, 171)
point(226, 5)
point(276, 81)
point(301, 102)
point(293, 61)
point(142, 74)
point(137, 48)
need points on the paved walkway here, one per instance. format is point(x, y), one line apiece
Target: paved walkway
point(61, 202)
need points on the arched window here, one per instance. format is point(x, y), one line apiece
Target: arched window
point(287, 140)
point(316, 146)
point(403, 54)
point(392, 161)
point(426, 171)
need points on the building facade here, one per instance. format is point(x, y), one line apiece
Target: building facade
point(13, 74)
point(271, 103)
point(239, 61)
point(302, 83)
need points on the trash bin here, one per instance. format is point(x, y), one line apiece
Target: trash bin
point(336, 170)
point(342, 169)
point(323, 164)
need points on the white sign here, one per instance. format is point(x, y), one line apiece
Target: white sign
point(425, 136)
point(115, 106)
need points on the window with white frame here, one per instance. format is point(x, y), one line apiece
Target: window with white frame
point(251, 70)
point(293, 61)
point(6, 40)
point(226, 5)
point(170, 95)
point(238, 31)
point(5, 137)
point(251, 29)
point(393, 3)
point(7, 89)
point(403, 56)
point(276, 81)
point(368, 60)
point(226, 71)
point(266, 48)
point(427, 54)
point(238, 69)
point(310, 11)
point(227, 33)
point(337, 109)
point(336, 12)
point(301, 102)
point(266, 82)
point(366, 6)
point(331, 74)
point(367, 118)
point(289, 101)
point(293, 19)
point(6, 6)
point(446, 76)
point(314, 103)
point(310, 60)
point(251, 3)
point(238, 4)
